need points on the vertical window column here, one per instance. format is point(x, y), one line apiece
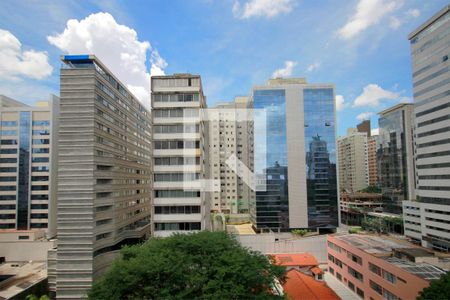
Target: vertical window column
point(24, 172)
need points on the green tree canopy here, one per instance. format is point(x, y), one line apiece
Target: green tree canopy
point(371, 189)
point(438, 289)
point(206, 265)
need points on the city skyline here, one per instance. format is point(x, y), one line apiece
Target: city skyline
point(156, 39)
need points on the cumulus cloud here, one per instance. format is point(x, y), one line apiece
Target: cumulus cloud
point(313, 67)
point(368, 13)
point(16, 63)
point(413, 13)
point(286, 71)
point(374, 131)
point(262, 8)
point(340, 103)
point(394, 23)
point(372, 95)
point(364, 116)
point(117, 46)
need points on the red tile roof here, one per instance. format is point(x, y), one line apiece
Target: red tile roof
point(316, 270)
point(299, 286)
point(300, 259)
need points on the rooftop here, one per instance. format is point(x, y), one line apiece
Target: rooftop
point(373, 244)
point(16, 277)
point(423, 270)
point(300, 259)
point(300, 286)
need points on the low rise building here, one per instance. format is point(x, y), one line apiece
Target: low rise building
point(377, 267)
point(354, 206)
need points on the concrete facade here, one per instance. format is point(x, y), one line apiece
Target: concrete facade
point(353, 161)
point(427, 221)
point(230, 135)
point(104, 176)
point(180, 154)
point(28, 165)
point(372, 160)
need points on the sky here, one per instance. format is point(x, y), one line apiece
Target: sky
point(361, 46)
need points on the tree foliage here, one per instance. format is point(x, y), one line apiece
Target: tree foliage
point(206, 265)
point(438, 289)
point(371, 189)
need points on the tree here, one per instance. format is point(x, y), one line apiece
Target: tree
point(206, 265)
point(371, 189)
point(438, 289)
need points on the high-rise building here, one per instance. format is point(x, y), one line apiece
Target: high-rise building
point(364, 126)
point(180, 153)
point(104, 173)
point(427, 220)
point(395, 156)
point(229, 135)
point(28, 160)
point(353, 161)
point(295, 155)
point(372, 159)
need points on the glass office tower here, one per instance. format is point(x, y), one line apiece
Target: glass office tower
point(272, 203)
point(320, 148)
point(298, 143)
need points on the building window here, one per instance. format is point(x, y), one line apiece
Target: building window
point(375, 269)
point(389, 277)
point(355, 273)
point(376, 287)
point(388, 295)
point(360, 293)
point(354, 258)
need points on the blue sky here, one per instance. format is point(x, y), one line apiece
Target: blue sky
point(359, 45)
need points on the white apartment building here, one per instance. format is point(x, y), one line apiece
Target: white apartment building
point(229, 134)
point(28, 160)
point(427, 220)
point(353, 161)
point(180, 154)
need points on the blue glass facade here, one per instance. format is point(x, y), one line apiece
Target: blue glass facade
point(24, 171)
point(271, 163)
point(320, 149)
point(391, 159)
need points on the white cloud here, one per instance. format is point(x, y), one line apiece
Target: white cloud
point(340, 104)
point(364, 116)
point(374, 131)
point(373, 94)
point(313, 67)
point(368, 13)
point(262, 8)
point(15, 63)
point(286, 71)
point(117, 46)
point(394, 23)
point(413, 13)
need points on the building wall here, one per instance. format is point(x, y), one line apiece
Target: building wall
point(406, 286)
point(431, 83)
point(28, 165)
point(180, 154)
point(104, 172)
point(372, 160)
point(353, 161)
point(229, 135)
